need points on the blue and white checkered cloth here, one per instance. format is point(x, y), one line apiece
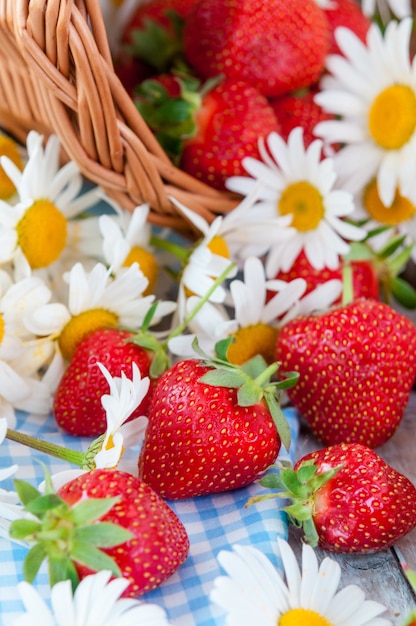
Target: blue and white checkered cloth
point(212, 522)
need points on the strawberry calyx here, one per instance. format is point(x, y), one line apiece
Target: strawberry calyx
point(170, 105)
point(157, 45)
point(64, 535)
point(388, 262)
point(299, 487)
point(253, 381)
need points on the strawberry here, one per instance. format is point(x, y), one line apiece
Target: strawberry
point(346, 498)
point(299, 109)
point(364, 276)
point(153, 34)
point(347, 13)
point(356, 366)
point(209, 130)
point(276, 46)
point(112, 520)
point(77, 402)
point(212, 428)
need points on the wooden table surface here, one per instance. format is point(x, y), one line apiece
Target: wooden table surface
point(379, 574)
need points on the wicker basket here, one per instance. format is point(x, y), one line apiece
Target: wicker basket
point(57, 76)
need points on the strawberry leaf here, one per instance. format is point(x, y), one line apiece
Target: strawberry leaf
point(93, 558)
point(403, 292)
point(221, 378)
point(249, 394)
point(25, 491)
point(22, 528)
point(278, 418)
point(89, 510)
point(102, 535)
point(43, 504)
point(33, 561)
point(62, 568)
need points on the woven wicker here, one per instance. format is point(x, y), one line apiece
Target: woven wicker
point(57, 76)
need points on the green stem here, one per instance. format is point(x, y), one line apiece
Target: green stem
point(181, 327)
point(168, 246)
point(72, 456)
point(348, 289)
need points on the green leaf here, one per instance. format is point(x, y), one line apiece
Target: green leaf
point(92, 557)
point(255, 366)
point(41, 505)
point(23, 528)
point(62, 568)
point(299, 511)
point(103, 535)
point(272, 481)
point(25, 491)
point(279, 419)
point(148, 317)
point(288, 381)
point(33, 561)
point(223, 378)
point(92, 509)
point(146, 341)
point(159, 364)
point(391, 246)
point(222, 346)
point(403, 292)
point(249, 394)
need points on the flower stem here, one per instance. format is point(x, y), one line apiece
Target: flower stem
point(72, 456)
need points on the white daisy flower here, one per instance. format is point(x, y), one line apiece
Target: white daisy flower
point(298, 184)
point(124, 397)
point(95, 299)
point(399, 8)
point(373, 88)
point(253, 592)
point(36, 233)
point(10, 148)
point(126, 239)
point(96, 602)
point(20, 353)
point(260, 307)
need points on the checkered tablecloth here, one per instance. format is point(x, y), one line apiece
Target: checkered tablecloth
point(213, 523)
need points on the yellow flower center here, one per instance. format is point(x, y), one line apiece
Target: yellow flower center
point(253, 340)
point(8, 148)
point(82, 325)
point(147, 264)
point(401, 209)
point(218, 246)
point(42, 233)
point(303, 617)
point(1, 328)
point(392, 117)
point(304, 202)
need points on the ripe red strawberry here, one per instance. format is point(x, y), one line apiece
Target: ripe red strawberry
point(347, 13)
point(364, 276)
point(160, 543)
point(299, 109)
point(276, 46)
point(151, 40)
point(209, 130)
point(112, 520)
point(347, 499)
point(206, 438)
point(356, 366)
point(77, 402)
